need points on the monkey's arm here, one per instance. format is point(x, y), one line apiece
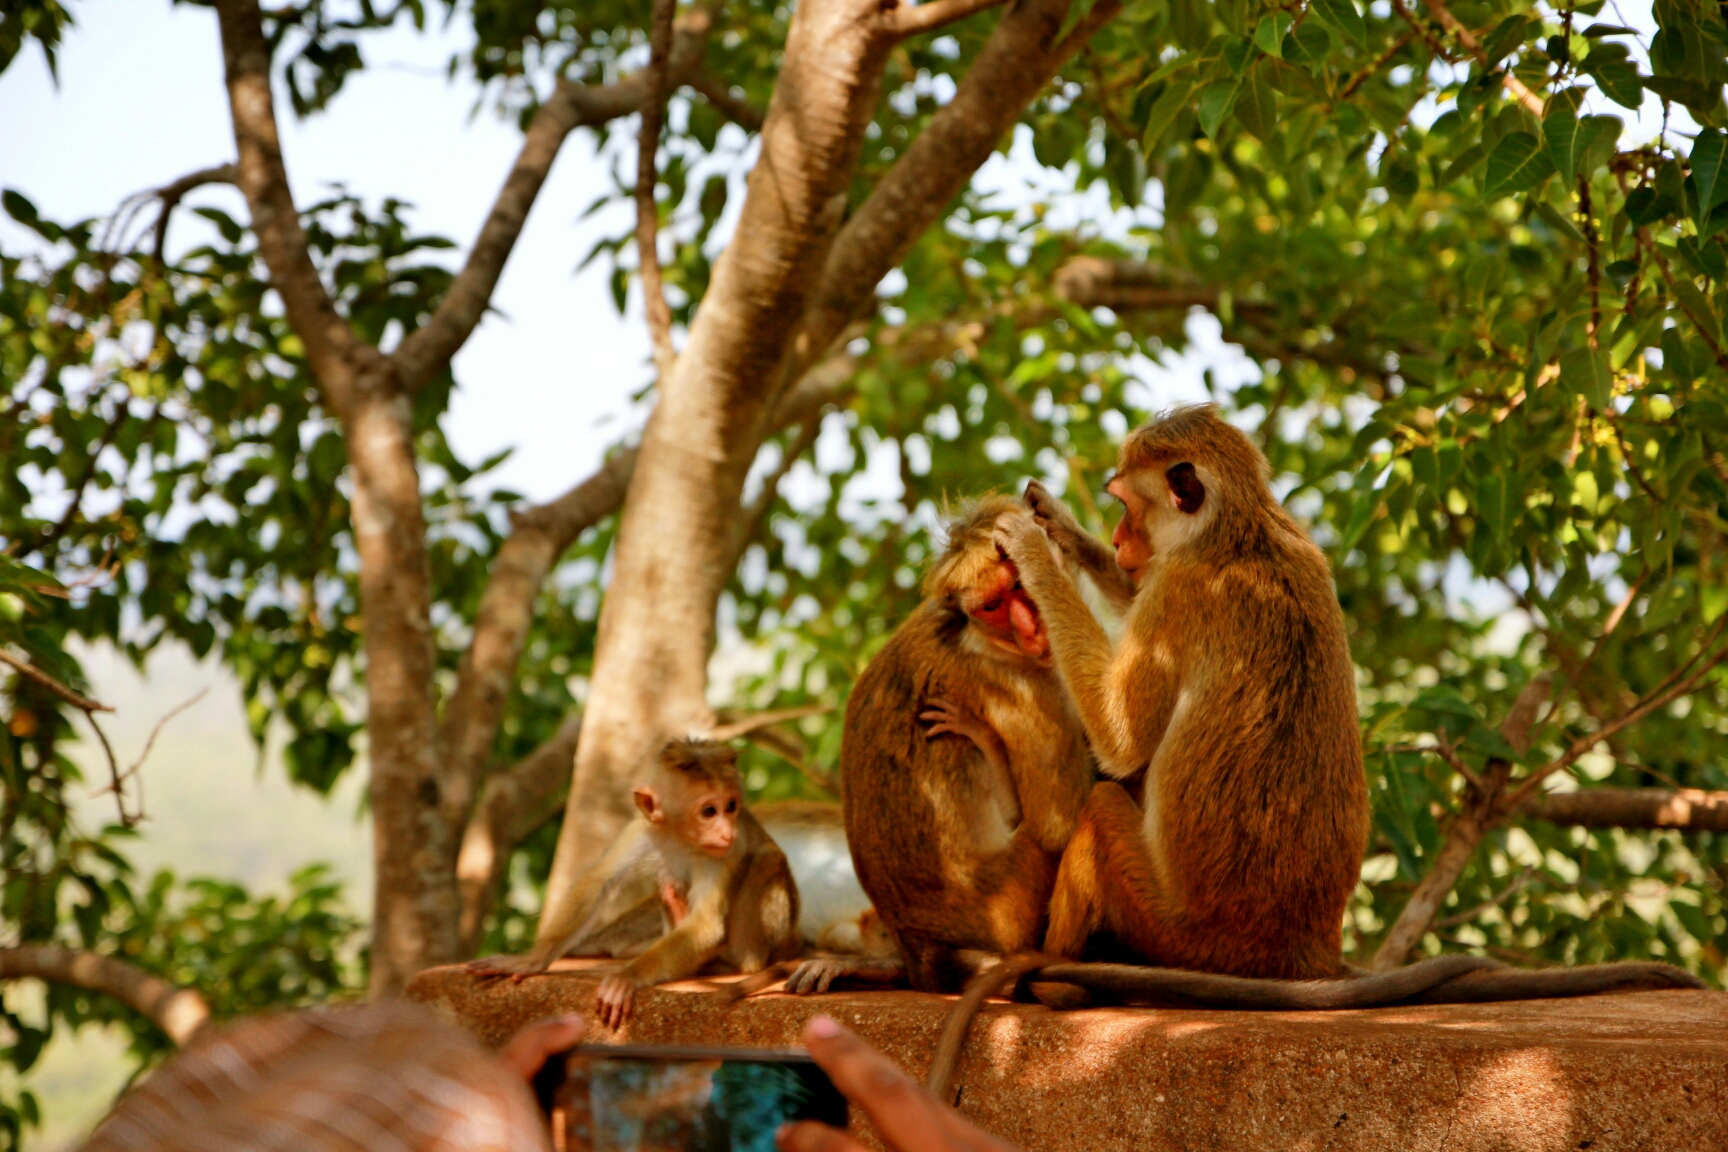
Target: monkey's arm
point(681, 952)
point(1092, 555)
point(1082, 648)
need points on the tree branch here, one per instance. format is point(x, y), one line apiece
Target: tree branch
point(426, 351)
point(332, 348)
point(179, 1012)
point(718, 93)
point(77, 699)
point(911, 20)
point(647, 176)
point(1022, 55)
point(170, 195)
point(469, 726)
point(1688, 809)
point(512, 806)
point(1531, 101)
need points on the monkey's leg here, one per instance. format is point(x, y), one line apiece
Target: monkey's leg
point(1017, 895)
point(1106, 881)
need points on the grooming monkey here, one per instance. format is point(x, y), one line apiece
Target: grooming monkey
point(963, 767)
point(694, 856)
point(1232, 688)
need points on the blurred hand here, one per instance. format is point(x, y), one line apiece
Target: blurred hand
point(526, 1051)
point(907, 1116)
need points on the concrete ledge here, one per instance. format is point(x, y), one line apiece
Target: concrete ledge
point(1645, 1070)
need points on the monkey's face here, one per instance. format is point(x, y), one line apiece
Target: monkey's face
point(1003, 614)
point(1162, 509)
point(711, 821)
point(703, 815)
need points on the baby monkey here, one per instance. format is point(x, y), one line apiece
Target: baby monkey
point(695, 860)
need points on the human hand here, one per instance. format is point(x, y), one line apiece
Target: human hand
point(908, 1118)
point(525, 1052)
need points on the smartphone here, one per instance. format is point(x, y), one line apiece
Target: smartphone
point(638, 1097)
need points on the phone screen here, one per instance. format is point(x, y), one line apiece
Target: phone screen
point(636, 1098)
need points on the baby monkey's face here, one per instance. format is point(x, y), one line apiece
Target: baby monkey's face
point(710, 822)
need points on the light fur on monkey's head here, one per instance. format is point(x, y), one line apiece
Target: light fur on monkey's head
point(701, 759)
point(970, 530)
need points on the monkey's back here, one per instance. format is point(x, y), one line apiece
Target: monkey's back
point(1262, 801)
point(905, 796)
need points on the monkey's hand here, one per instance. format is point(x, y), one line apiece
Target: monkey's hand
point(815, 976)
point(517, 968)
point(1022, 541)
point(1050, 514)
point(677, 904)
point(947, 717)
point(616, 999)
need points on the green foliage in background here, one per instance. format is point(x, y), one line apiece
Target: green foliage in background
point(1484, 352)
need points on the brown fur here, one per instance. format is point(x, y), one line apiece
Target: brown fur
point(952, 856)
point(1232, 687)
point(740, 910)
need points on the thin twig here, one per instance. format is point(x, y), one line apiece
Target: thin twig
point(647, 173)
point(1443, 748)
point(80, 702)
point(1515, 86)
point(1361, 77)
point(151, 742)
point(1512, 890)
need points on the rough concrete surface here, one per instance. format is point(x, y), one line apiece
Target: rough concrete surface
point(1645, 1070)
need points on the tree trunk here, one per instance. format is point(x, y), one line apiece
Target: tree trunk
point(656, 629)
point(417, 826)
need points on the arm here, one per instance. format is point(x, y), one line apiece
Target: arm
point(1080, 547)
point(1083, 653)
point(945, 716)
point(681, 952)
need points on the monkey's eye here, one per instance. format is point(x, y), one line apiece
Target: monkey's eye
point(992, 606)
point(708, 812)
point(731, 807)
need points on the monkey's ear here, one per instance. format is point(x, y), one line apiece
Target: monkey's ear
point(648, 803)
point(1187, 493)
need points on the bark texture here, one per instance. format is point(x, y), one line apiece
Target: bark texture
point(1687, 809)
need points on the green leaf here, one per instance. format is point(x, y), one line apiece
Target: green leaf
point(1709, 153)
point(1443, 699)
point(1618, 80)
point(1461, 167)
point(1585, 372)
point(1270, 32)
point(1257, 104)
point(1164, 111)
point(1559, 223)
point(1560, 134)
point(1487, 740)
point(1697, 308)
point(1507, 36)
point(1517, 164)
point(1342, 15)
point(1308, 44)
point(1077, 11)
point(1216, 100)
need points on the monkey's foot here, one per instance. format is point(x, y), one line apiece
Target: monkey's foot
point(816, 976)
point(1061, 997)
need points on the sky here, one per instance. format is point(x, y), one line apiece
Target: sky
point(140, 102)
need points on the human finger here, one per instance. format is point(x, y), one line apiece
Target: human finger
point(525, 1052)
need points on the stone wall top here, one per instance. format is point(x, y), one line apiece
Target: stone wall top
point(1645, 1070)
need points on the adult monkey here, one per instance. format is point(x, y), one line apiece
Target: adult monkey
point(1232, 688)
point(963, 767)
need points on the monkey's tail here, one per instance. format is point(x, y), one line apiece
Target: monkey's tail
point(733, 991)
point(1438, 980)
point(990, 982)
point(1482, 987)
